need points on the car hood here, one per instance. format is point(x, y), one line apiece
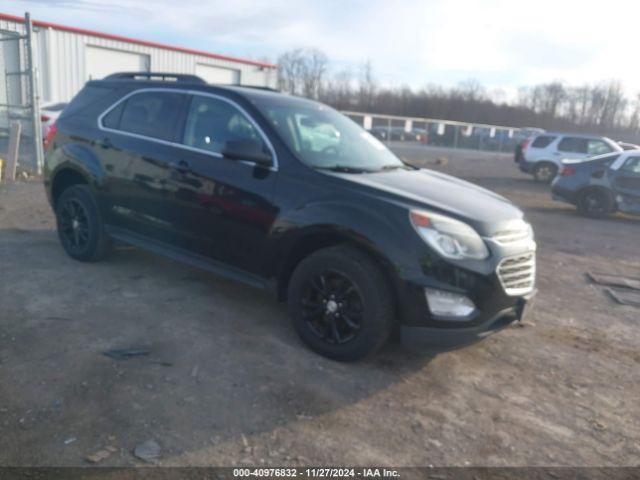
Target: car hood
point(487, 211)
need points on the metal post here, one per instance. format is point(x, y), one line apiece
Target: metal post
point(455, 135)
point(33, 96)
point(14, 151)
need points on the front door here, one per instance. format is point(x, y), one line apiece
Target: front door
point(226, 206)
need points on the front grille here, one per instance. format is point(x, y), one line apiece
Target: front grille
point(517, 274)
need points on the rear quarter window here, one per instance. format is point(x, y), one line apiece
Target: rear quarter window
point(112, 119)
point(543, 141)
point(86, 97)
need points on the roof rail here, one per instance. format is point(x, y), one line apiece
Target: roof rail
point(157, 76)
point(258, 87)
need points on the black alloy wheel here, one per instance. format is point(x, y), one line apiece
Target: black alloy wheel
point(341, 303)
point(74, 226)
point(80, 226)
point(332, 307)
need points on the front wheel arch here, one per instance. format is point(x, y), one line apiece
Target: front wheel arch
point(312, 242)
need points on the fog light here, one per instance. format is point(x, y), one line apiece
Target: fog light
point(447, 304)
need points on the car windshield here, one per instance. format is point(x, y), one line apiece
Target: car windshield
point(325, 139)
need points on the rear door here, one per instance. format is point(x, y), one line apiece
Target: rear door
point(626, 184)
point(139, 153)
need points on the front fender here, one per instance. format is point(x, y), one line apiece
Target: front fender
point(383, 229)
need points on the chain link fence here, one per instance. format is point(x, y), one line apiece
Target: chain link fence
point(19, 111)
point(442, 133)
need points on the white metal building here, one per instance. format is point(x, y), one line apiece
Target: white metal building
point(66, 57)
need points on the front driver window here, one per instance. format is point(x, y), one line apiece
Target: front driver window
point(212, 122)
point(598, 147)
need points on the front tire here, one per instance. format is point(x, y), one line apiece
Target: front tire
point(80, 226)
point(545, 172)
point(340, 303)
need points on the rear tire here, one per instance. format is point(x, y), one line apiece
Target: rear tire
point(545, 172)
point(340, 303)
point(595, 203)
point(80, 226)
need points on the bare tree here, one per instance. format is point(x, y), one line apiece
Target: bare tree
point(368, 85)
point(301, 71)
point(603, 107)
point(314, 67)
point(471, 90)
point(552, 95)
point(290, 65)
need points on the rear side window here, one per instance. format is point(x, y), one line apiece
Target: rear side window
point(543, 141)
point(573, 144)
point(211, 122)
point(152, 114)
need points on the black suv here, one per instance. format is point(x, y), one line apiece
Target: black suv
point(287, 194)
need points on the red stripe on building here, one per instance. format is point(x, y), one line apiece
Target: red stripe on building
point(82, 31)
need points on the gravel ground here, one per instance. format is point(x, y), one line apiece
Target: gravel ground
point(227, 382)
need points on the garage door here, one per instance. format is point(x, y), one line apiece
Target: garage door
point(100, 62)
point(211, 74)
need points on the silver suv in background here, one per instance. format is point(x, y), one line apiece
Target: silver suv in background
point(542, 155)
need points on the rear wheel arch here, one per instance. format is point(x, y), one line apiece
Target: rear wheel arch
point(63, 179)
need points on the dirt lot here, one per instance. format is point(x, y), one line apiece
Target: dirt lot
point(228, 382)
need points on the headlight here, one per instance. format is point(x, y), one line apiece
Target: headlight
point(449, 237)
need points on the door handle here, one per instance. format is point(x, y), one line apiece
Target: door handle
point(106, 143)
point(182, 167)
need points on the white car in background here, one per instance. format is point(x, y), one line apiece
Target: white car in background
point(49, 113)
point(542, 155)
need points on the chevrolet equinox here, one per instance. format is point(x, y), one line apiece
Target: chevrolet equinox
point(287, 194)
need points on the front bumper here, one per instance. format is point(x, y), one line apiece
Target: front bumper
point(424, 337)
point(501, 289)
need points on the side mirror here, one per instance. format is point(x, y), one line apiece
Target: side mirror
point(249, 150)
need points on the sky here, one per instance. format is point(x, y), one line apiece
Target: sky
point(502, 44)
